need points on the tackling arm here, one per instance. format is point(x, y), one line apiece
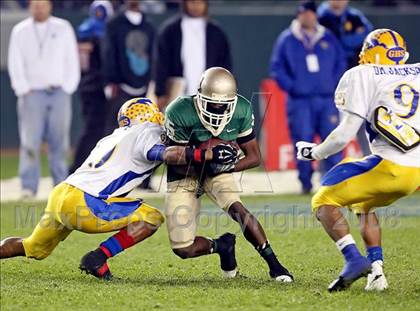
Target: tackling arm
point(179, 155)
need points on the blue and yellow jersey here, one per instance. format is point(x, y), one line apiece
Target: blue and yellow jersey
point(364, 88)
point(119, 161)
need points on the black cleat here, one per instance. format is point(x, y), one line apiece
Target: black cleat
point(94, 263)
point(226, 250)
point(341, 283)
point(281, 275)
point(352, 271)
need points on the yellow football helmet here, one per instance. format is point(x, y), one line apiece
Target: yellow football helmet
point(383, 47)
point(139, 110)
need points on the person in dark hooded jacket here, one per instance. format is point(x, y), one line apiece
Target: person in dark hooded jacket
point(90, 35)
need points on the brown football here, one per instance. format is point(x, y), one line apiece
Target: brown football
point(215, 141)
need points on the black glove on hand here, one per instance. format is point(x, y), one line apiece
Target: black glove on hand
point(225, 154)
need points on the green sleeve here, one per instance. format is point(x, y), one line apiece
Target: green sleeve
point(247, 119)
point(174, 124)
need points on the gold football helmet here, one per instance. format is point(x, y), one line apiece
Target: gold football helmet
point(216, 99)
point(139, 110)
point(384, 47)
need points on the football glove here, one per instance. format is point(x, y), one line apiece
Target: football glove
point(214, 169)
point(225, 154)
point(304, 151)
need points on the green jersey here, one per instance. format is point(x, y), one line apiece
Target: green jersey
point(183, 125)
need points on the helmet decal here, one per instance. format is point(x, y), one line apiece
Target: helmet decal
point(139, 110)
point(383, 47)
point(396, 54)
point(374, 42)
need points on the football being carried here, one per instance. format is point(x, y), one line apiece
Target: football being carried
point(216, 126)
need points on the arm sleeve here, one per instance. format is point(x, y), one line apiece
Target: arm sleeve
point(279, 69)
point(367, 24)
point(339, 138)
point(145, 142)
point(16, 66)
point(354, 92)
point(355, 40)
point(246, 132)
point(72, 66)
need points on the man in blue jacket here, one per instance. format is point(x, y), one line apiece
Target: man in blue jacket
point(350, 27)
point(307, 62)
point(348, 24)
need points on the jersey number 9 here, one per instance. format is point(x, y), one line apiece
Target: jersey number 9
point(413, 103)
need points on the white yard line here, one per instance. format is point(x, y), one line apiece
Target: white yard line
point(249, 183)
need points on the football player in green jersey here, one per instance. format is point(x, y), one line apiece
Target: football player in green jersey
point(216, 111)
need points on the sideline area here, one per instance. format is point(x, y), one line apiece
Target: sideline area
point(250, 184)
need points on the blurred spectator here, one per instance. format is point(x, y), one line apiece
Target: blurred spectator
point(90, 35)
point(153, 7)
point(350, 27)
point(348, 24)
point(186, 46)
point(44, 71)
point(307, 62)
point(58, 4)
point(128, 53)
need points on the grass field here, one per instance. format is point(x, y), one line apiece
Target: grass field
point(9, 165)
point(151, 277)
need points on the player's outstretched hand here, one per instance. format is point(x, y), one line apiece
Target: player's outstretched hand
point(225, 154)
point(304, 150)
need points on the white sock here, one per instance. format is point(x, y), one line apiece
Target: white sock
point(344, 241)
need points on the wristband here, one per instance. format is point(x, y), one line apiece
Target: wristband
point(195, 155)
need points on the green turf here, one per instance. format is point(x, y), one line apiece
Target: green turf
point(151, 277)
point(9, 164)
